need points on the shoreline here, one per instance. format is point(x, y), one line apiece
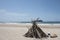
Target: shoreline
point(29, 25)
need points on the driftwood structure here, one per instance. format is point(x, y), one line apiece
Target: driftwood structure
point(35, 32)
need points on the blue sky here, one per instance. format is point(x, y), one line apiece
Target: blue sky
point(25, 10)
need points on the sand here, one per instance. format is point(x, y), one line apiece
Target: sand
point(16, 31)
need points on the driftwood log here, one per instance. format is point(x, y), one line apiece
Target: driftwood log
point(35, 31)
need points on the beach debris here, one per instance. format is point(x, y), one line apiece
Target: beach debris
point(35, 32)
point(53, 36)
point(49, 34)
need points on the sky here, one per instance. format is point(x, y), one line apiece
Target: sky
point(25, 10)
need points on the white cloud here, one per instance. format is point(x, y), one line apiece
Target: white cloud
point(2, 10)
point(12, 16)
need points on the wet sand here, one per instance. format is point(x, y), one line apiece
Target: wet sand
point(16, 31)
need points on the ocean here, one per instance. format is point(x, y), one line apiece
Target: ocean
point(48, 22)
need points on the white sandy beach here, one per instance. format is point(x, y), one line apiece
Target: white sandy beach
point(16, 31)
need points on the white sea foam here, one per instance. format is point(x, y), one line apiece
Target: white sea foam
point(29, 24)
